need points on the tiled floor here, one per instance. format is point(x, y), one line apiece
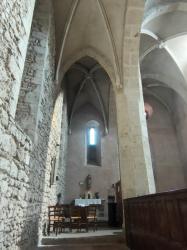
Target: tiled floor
point(100, 240)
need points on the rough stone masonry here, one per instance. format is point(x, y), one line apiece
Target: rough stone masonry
point(25, 161)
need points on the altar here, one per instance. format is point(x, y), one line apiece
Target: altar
point(87, 202)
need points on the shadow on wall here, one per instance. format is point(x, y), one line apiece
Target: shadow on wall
point(166, 157)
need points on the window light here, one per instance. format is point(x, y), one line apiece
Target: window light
point(92, 136)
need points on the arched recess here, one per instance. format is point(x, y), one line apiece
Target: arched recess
point(93, 133)
point(84, 101)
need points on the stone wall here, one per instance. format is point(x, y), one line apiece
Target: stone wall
point(27, 112)
point(39, 97)
point(46, 119)
point(24, 165)
point(39, 163)
point(15, 23)
point(61, 157)
point(15, 148)
point(57, 152)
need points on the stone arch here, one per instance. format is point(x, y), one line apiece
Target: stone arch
point(89, 77)
point(165, 21)
point(97, 56)
point(173, 58)
point(162, 79)
point(55, 166)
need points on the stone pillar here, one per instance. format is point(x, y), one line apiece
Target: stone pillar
point(135, 159)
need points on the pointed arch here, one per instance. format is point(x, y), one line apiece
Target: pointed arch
point(88, 77)
point(97, 56)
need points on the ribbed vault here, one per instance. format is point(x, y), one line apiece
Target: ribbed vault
point(163, 43)
point(83, 25)
point(87, 84)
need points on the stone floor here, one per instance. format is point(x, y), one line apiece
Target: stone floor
point(101, 232)
point(101, 240)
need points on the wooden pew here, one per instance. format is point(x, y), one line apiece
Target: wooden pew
point(157, 222)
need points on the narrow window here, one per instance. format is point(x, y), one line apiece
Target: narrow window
point(92, 137)
point(93, 145)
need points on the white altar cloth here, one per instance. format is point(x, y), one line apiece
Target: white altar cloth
point(87, 202)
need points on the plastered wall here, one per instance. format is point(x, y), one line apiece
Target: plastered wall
point(77, 170)
point(165, 151)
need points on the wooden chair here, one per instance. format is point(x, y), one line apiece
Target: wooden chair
point(92, 217)
point(83, 224)
point(56, 219)
point(78, 218)
point(63, 219)
point(52, 218)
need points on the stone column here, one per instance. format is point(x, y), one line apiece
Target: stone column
point(135, 159)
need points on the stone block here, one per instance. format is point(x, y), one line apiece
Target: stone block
point(1, 239)
point(21, 154)
point(4, 165)
point(14, 170)
point(27, 158)
point(3, 186)
point(4, 118)
point(7, 144)
point(22, 176)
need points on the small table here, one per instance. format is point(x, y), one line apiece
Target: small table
point(87, 202)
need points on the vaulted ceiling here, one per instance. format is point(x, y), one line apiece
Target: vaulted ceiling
point(87, 84)
point(163, 48)
point(95, 28)
point(90, 27)
point(89, 52)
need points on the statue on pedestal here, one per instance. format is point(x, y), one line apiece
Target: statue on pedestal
point(89, 182)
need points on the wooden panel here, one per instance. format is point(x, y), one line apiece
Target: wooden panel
point(157, 222)
point(182, 203)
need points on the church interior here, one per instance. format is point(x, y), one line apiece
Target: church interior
point(93, 116)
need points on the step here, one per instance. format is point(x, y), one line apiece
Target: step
point(111, 239)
